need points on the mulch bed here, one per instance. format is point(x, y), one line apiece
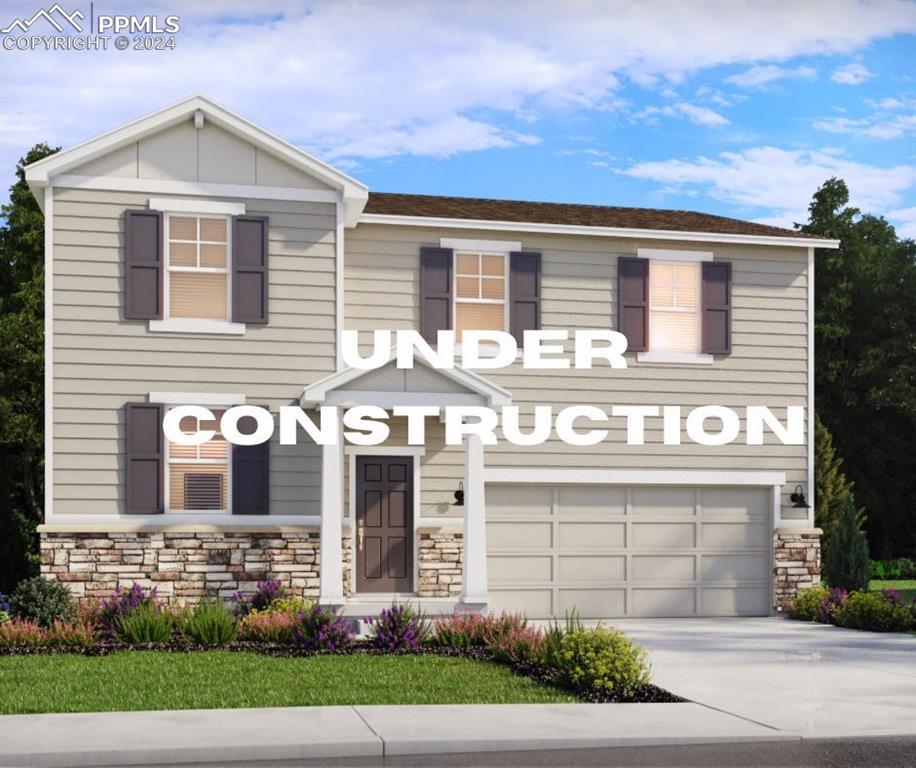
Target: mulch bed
point(539, 672)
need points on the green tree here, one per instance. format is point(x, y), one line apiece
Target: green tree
point(845, 561)
point(865, 372)
point(832, 489)
point(21, 376)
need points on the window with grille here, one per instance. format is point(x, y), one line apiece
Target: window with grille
point(197, 277)
point(197, 476)
point(481, 289)
point(674, 290)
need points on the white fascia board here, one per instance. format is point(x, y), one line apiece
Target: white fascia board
point(666, 254)
point(575, 229)
point(193, 205)
point(553, 476)
point(493, 246)
point(195, 188)
point(196, 398)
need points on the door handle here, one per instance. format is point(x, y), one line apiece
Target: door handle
point(360, 532)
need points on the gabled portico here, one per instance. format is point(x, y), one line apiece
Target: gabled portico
point(389, 387)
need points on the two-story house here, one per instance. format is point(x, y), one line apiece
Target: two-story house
point(193, 258)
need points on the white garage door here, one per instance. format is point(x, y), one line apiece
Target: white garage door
point(609, 551)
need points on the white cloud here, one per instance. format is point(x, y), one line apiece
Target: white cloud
point(692, 112)
point(780, 181)
point(381, 79)
point(763, 75)
point(904, 221)
point(885, 123)
point(850, 74)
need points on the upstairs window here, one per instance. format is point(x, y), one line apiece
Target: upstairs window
point(197, 274)
point(481, 292)
point(674, 290)
point(197, 476)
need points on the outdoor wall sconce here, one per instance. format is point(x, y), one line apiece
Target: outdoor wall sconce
point(798, 498)
point(459, 496)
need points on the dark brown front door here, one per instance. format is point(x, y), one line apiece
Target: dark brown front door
point(384, 524)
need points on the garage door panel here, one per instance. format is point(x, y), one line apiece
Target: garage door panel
point(520, 569)
point(666, 601)
point(735, 601)
point(664, 535)
point(532, 602)
point(754, 502)
point(725, 535)
point(519, 534)
point(519, 500)
point(596, 500)
point(592, 603)
point(578, 535)
point(747, 567)
point(665, 568)
point(665, 501)
point(590, 568)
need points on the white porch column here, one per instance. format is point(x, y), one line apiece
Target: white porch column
point(474, 573)
point(330, 589)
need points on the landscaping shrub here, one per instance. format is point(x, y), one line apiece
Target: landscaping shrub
point(399, 628)
point(875, 611)
point(265, 593)
point(122, 602)
point(21, 633)
point(42, 601)
point(555, 634)
point(846, 563)
point(602, 660)
point(518, 645)
point(901, 568)
point(465, 630)
point(267, 627)
point(4, 608)
point(209, 623)
point(831, 604)
point(294, 605)
point(70, 633)
point(807, 603)
point(321, 629)
point(147, 623)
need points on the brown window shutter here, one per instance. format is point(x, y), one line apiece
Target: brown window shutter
point(435, 292)
point(249, 269)
point(524, 293)
point(250, 475)
point(145, 458)
point(717, 307)
point(143, 271)
point(633, 299)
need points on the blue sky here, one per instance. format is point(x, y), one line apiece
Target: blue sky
point(736, 108)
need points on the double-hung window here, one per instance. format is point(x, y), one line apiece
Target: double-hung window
point(674, 317)
point(481, 292)
point(197, 267)
point(197, 477)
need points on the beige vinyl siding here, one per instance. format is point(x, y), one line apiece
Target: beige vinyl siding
point(102, 361)
point(767, 366)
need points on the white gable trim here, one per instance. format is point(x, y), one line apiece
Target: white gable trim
point(353, 192)
point(319, 393)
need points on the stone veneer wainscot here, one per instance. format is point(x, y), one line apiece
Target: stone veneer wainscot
point(797, 556)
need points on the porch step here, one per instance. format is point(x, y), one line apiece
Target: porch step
point(364, 608)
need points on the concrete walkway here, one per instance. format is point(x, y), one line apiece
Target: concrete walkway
point(748, 680)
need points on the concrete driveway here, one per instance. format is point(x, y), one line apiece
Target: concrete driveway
point(800, 678)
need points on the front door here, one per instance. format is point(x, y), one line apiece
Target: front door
point(384, 524)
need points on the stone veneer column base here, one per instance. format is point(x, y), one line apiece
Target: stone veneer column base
point(797, 563)
point(185, 566)
point(440, 559)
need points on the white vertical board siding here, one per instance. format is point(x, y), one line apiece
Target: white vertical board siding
point(579, 274)
point(102, 361)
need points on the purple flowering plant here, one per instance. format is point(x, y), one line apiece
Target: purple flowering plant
point(321, 629)
point(265, 593)
point(892, 596)
point(831, 604)
point(399, 628)
point(122, 602)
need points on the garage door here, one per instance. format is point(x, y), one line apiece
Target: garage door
point(609, 551)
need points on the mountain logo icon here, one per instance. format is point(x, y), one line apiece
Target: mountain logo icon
point(52, 16)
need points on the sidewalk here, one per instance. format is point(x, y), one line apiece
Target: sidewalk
point(245, 735)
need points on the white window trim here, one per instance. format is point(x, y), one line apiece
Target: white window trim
point(196, 398)
point(505, 299)
point(665, 254)
point(195, 205)
point(675, 358)
point(205, 400)
point(497, 246)
point(192, 324)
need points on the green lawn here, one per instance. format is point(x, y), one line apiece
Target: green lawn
point(144, 680)
point(906, 587)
